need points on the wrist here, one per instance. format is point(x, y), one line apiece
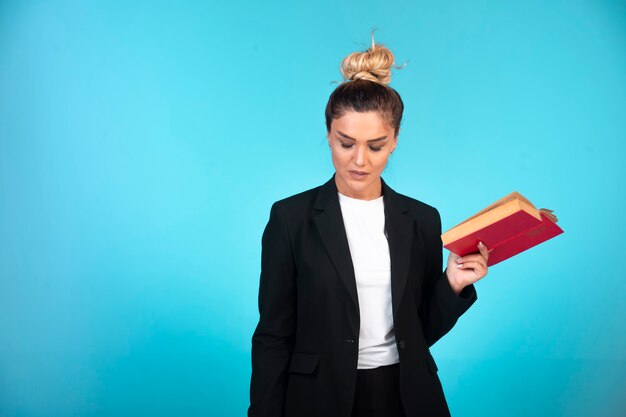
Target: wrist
point(456, 286)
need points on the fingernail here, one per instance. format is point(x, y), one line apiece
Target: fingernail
point(459, 259)
point(459, 266)
point(481, 244)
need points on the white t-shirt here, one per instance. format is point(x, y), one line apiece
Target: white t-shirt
point(365, 227)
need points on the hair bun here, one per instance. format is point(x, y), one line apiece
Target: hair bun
point(374, 64)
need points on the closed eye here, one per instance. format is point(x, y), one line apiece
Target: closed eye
point(374, 148)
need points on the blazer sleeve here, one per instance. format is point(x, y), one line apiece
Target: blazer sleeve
point(440, 307)
point(273, 338)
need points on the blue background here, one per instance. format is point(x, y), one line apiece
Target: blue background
point(143, 143)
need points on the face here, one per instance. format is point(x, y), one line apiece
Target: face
point(361, 144)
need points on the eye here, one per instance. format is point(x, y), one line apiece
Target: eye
point(375, 149)
point(343, 145)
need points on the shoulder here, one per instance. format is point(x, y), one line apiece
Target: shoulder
point(427, 219)
point(420, 209)
point(425, 215)
point(299, 200)
point(296, 205)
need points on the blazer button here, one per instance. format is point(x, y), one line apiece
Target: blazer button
point(401, 344)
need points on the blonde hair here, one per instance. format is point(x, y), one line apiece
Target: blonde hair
point(365, 88)
point(374, 64)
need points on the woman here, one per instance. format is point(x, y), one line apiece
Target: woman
point(351, 292)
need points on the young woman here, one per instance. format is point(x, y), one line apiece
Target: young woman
point(351, 292)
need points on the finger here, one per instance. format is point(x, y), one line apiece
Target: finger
point(475, 257)
point(472, 264)
point(478, 268)
point(483, 250)
point(471, 257)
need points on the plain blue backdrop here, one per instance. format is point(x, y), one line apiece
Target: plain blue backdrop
point(142, 144)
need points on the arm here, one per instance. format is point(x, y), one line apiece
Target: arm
point(272, 341)
point(441, 306)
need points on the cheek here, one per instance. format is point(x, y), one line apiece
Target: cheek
point(381, 161)
point(336, 160)
point(340, 157)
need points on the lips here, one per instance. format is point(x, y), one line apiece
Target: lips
point(358, 175)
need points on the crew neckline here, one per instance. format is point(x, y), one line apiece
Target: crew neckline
point(345, 197)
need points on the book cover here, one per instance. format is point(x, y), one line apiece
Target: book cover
point(507, 227)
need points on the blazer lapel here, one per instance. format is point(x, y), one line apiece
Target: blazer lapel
point(399, 226)
point(330, 225)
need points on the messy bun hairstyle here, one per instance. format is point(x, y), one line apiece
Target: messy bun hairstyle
point(366, 75)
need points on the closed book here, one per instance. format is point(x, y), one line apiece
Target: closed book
point(507, 227)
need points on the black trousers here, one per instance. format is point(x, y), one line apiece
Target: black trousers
point(378, 392)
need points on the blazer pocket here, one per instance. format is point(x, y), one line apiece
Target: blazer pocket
point(431, 363)
point(303, 363)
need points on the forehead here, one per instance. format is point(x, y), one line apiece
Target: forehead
point(361, 125)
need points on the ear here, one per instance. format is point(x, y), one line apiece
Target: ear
point(395, 141)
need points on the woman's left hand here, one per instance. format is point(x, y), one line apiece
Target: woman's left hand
point(466, 270)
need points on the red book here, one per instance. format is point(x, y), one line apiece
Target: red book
point(507, 227)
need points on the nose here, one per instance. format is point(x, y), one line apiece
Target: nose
point(360, 156)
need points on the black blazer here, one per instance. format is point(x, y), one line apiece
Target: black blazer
point(305, 346)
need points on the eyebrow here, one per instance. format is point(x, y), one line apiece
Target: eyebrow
point(370, 140)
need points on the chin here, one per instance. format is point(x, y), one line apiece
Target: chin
point(357, 185)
